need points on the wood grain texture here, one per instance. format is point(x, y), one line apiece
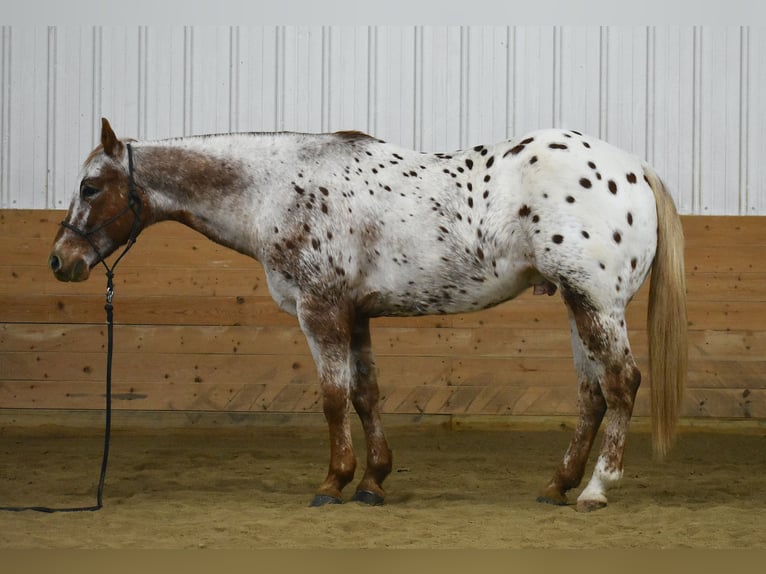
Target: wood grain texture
point(198, 331)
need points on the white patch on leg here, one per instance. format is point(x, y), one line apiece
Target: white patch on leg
point(600, 482)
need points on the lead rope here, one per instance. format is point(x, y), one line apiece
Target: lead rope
point(108, 421)
point(134, 204)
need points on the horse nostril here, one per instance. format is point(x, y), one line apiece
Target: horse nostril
point(54, 262)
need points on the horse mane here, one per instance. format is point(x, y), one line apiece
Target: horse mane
point(354, 136)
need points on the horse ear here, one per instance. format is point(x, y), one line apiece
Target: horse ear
point(109, 141)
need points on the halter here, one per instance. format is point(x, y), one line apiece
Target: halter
point(134, 205)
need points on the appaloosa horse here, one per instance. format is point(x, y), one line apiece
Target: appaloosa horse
point(348, 227)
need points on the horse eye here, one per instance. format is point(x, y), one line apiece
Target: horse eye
point(88, 192)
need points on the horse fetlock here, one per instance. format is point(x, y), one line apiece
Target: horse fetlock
point(554, 494)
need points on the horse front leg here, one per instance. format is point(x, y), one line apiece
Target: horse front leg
point(365, 397)
point(328, 331)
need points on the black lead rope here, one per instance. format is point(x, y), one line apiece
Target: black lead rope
point(134, 205)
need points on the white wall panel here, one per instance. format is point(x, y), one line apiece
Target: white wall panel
point(687, 98)
point(70, 126)
point(395, 97)
point(5, 115)
point(348, 78)
point(28, 130)
point(256, 85)
point(721, 82)
point(534, 70)
point(163, 74)
point(303, 59)
point(755, 174)
point(626, 84)
point(210, 83)
point(487, 79)
point(673, 111)
point(440, 103)
point(577, 102)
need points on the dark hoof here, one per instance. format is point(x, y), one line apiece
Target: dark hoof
point(368, 497)
point(323, 499)
point(549, 500)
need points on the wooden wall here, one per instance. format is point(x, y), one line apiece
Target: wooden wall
point(197, 331)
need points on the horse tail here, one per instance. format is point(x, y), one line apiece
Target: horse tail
point(667, 326)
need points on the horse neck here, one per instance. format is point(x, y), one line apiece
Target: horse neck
point(203, 183)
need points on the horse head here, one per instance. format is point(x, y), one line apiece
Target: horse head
point(104, 213)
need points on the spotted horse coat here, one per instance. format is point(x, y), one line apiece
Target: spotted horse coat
point(348, 227)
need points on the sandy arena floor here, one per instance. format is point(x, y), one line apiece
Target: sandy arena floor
point(249, 487)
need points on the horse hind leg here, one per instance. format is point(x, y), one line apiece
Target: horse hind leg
point(609, 380)
point(592, 406)
point(619, 384)
point(603, 338)
point(365, 397)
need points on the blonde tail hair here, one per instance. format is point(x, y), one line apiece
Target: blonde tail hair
point(667, 324)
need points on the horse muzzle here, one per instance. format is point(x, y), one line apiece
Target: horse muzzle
point(76, 269)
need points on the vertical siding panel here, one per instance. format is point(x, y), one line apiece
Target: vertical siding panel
point(719, 116)
point(580, 78)
point(348, 75)
point(257, 79)
point(119, 78)
point(441, 96)
point(756, 143)
point(626, 89)
point(71, 135)
point(28, 117)
point(164, 82)
point(487, 84)
point(5, 116)
point(372, 80)
point(303, 78)
point(50, 121)
point(210, 85)
point(673, 116)
point(534, 69)
point(395, 84)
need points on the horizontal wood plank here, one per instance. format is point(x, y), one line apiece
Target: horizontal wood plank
point(395, 398)
point(527, 311)
point(734, 345)
point(197, 330)
point(226, 282)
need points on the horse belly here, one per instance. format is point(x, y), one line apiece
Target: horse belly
point(448, 288)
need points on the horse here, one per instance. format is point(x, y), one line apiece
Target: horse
point(348, 228)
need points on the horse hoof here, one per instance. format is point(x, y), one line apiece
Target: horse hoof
point(590, 505)
point(368, 497)
point(324, 499)
point(553, 501)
